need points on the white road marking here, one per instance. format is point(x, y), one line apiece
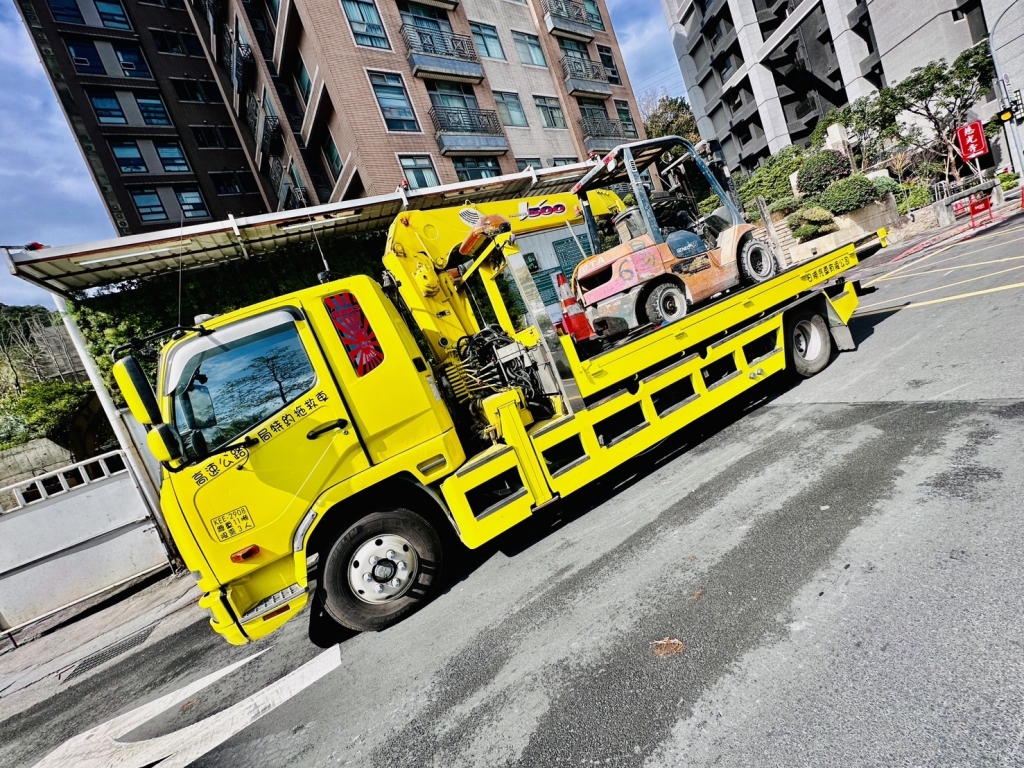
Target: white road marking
point(100, 748)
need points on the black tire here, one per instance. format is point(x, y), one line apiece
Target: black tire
point(756, 262)
point(339, 597)
point(808, 343)
point(665, 304)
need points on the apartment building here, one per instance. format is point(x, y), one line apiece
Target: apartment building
point(760, 74)
point(188, 110)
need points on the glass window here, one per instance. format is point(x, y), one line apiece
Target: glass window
point(487, 40)
point(608, 62)
point(471, 168)
point(227, 183)
point(594, 14)
point(356, 333)
point(132, 62)
point(85, 57)
point(206, 137)
point(66, 11)
point(191, 202)
point(550, 109)
point(626, 118)
point(419, 171)
point(227, 388)
point(332, 157)
point(229, 137)
point(112, 14)
point(172, 157)
point(107, 108)
point(274, 6)
point(167, 42)
point(147, 201)
point(528, 47)
point(510, 109)
point(188, 90)
point(153, 111)
point(574, 49)
point(522, 163)
point(393, 101)
point(365, 23)
point(564, 161)
point(192, 44)
point(452, 95)
point(303, 80)
point(424, 17)
point(129, 158)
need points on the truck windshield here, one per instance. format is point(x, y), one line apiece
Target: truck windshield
point(226, 383)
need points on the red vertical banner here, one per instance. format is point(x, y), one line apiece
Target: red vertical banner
point(972, 141)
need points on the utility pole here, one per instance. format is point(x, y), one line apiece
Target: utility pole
point(1015, 149)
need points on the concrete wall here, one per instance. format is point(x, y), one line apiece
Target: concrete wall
point(36, 457)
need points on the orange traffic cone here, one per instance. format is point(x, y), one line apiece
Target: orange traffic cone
point(574, 319)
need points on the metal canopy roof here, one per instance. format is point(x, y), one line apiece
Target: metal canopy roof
point(611, 170)
point(71, 268)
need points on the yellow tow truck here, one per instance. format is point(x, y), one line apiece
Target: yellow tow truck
point(342, 444)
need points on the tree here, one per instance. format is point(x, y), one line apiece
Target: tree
point(665, 115)
point(872, 126)
point(941, 95)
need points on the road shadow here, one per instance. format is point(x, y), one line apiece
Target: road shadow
point(862, 327)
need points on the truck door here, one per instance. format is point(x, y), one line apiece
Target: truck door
point(262, 381)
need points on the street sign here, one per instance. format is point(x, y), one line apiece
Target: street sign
point(971, 138)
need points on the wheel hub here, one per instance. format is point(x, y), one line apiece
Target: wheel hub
point(382, 569)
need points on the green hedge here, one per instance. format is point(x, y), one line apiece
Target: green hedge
point(771, 180)
point(849, 194)
point(1008, 181)
point(785, 205)
point(822, 169)
point(913, 196)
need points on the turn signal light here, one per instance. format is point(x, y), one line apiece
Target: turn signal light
point(245, 554)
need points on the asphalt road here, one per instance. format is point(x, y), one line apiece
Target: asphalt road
point(839, 561)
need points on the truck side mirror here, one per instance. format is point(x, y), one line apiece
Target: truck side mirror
point(138, 393)
point(197, 407)
point(163, 444)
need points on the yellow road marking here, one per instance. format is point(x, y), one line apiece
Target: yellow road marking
point(947, 270)
point(940, 301)
point(918, 262)
point(943, 287)
point(908, 265)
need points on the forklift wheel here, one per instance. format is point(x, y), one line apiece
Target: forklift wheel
point(665, 304)
point(756, 262)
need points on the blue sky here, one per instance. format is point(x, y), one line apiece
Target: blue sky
point(47, 195)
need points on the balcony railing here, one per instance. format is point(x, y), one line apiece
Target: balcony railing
point(252, 114)
point(276, 171)
point(227, 46)
point(435, 42)
point(583, 69)
point(567, 9)
point(244, 67)
point(213, 8)
point(605, 128)
point(271, 142)
point(461, 120)
point(296, 197)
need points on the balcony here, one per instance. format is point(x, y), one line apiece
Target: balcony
point(584, 77)
point(435, 53)
point(600, 134)
point(272, 141)
point(213, 10)
point(296, 197)
point(245, 67)
point(568, 19)
point(276, 172)
point(252, 114)
point(462, 131)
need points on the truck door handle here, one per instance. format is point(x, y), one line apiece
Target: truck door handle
point(323, 429)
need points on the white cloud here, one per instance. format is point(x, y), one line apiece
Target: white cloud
point(646, 45)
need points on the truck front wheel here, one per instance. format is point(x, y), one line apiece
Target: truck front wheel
point(808, 342)
point(381, 569)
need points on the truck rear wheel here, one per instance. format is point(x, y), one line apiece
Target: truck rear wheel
point(808, 342)
point(381, 569)
point(756, 262)
point(665, 304)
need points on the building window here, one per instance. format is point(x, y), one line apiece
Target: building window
point(229, 137)
point(132, 62)
point(153, 111)
point(574, 49)
point(107, 108)
point(608, 62)
point(424, 17)
point(66, 12)
point(192, 44)
point(472, 168)
point(419, 171)
point(626, 118)
point(487, 40)
point(112, 14)
point(191, 202)
point(171, 157)
point(227, 183)
point(85, 57)
point(564, 161)
point(129, 158)
point(167, 42)
point(510, 109)
point(303, 81)
point(148, 204)
point(594, 14)
point(550, 109)
point(365, 23)
point(522, 163)
point(393, 101)
point(528, 47)
point(451, 95)
point(177, 5)
point(332, 157)
point(200, 91)
point(207, 137)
